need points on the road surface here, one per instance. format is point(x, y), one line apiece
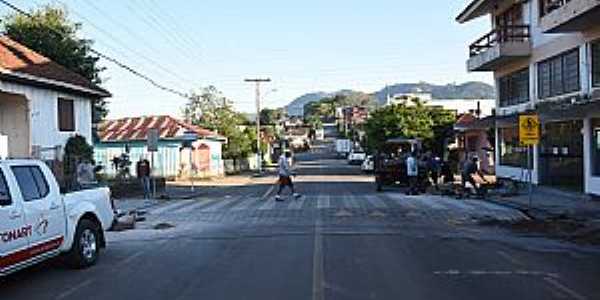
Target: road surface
point(340, 241)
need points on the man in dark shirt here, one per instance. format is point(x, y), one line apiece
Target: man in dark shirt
point(143, 171)
point(471, 169)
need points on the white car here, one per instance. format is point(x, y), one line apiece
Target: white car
point(368, 165)
point(356, 158)
point(37, 222)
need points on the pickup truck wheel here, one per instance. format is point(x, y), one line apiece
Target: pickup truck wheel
point(84, 252)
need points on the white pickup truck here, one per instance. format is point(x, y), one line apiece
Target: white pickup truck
point(37, 222)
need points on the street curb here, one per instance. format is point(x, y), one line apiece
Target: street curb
point(532, 213)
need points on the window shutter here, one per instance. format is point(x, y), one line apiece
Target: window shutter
point(571, 72)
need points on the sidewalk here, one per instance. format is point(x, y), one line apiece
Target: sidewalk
point(548, 202)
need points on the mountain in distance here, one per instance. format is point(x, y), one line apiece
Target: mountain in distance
point(467, 90)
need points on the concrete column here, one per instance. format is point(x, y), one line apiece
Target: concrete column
point(587, 155)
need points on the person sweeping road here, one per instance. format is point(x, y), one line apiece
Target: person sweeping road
point(285, 176)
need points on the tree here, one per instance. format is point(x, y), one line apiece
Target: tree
point(411, 119)
point(52, 34)
point(270, 116)
point(210, 109)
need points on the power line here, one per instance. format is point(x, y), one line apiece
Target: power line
point(123, 45)
point(106, 57)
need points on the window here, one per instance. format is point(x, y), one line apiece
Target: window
point(66, 115)
point(511, 152)
point(4, 191)
point(514, 88)
point(32, 182)
point(595, 147)
point(596, 64)
point(559, 75)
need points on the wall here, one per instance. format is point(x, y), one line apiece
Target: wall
point(14, 124)
point(43, 105)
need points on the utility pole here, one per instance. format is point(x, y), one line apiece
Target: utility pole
point(258, 81)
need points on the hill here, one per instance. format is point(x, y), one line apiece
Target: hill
point(467, 90)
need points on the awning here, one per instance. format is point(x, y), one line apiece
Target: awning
point(567, 109)
point(476, 9)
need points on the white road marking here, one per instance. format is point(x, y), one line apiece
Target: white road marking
point(74, 289)
point(376, 201)
point(318, 267)
point(269, 191)
point(221, 204)
point(268, 205)
point(351, 201)
point(130, 258)
point(323, 202)
point(296, 203)
point(190, 208)
point(170, 206)
point(559, 286)
point(247, 203)
point(509, 258)
point(405, 202)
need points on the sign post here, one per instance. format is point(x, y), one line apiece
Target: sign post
point(152, 144)
point(529, 135)
point(189, 138)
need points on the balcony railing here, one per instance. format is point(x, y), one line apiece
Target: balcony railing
point(499, 35)
point(547, 6)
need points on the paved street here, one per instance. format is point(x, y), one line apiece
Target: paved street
point(340, 241)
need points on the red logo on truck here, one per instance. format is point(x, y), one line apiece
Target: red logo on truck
point(16, 234)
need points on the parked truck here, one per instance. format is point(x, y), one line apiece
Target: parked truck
point(37, 222)
point(343, 147)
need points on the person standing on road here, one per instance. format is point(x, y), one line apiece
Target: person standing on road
point(143, 174)
point(285, 176)
point(412, 171)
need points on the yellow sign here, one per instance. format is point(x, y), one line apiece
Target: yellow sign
point(529, 130)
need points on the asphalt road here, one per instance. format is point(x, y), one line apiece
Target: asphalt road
point(340, 241)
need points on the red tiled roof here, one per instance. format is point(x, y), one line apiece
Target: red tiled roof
point(136, 129)
point(19, 59)
point(465, 119)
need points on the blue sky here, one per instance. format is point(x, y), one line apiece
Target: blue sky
point(303, 46)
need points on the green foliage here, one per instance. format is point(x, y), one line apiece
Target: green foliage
point(270, 116)
point(325, 108)
point(211, 110)
point(52, 34)
point(411, 119)
point(76, 150)
point(314, 122)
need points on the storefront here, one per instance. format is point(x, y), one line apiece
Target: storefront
point(561, 155)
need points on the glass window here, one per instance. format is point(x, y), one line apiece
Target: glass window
point(4, 191)
point(511, 152)
point(66, 115)
point(31, 182)
point(514, 88)
point(596, 64)
point(595, 147)
point(559, 75)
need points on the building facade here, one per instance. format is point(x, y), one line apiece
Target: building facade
point(176, 155)
point(545, 56)
point(42, 104)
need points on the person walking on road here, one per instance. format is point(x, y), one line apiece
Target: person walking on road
point(412, 171)
point(285, 176)
point(143, 174)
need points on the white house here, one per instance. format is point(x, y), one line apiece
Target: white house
point(176, 154)
point(545, 56)
point(460, 106)
point(42, 104)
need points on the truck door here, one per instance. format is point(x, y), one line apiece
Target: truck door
point(14, 234)
point(43, 208)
